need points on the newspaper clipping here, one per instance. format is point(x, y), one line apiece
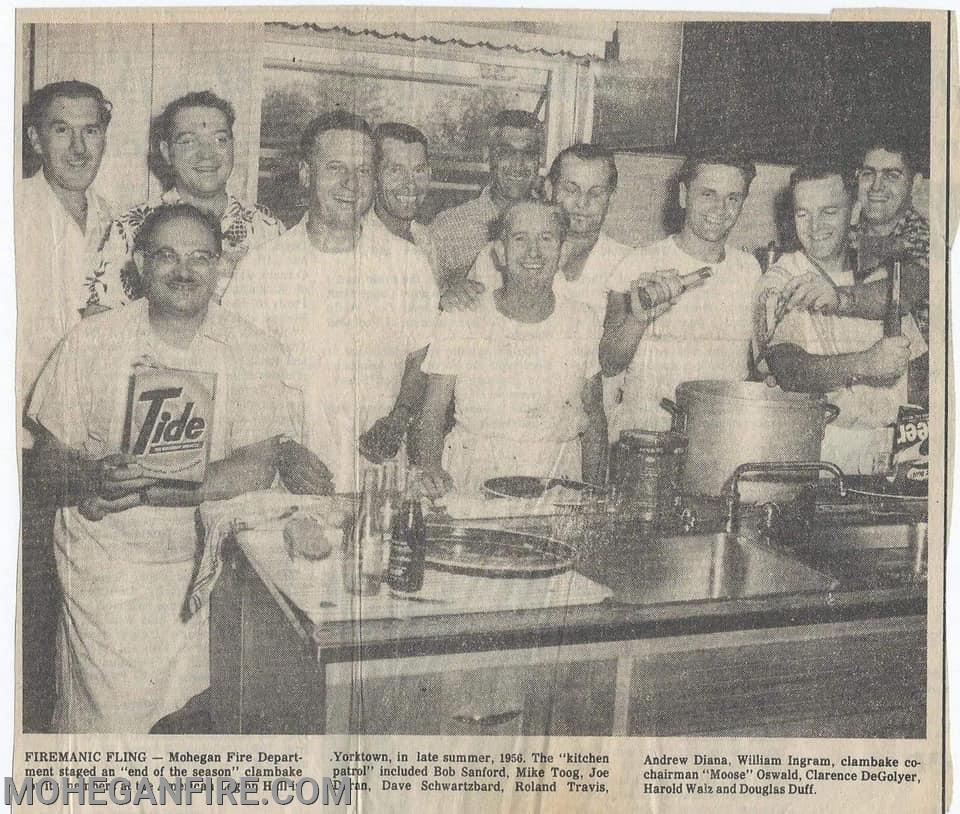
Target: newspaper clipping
point(481, 409)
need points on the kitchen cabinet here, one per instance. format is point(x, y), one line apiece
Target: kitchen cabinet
point(526, 692)
point(848, 664)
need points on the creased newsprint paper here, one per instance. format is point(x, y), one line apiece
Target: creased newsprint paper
point(559, 397)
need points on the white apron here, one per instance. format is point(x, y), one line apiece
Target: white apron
point(126, 658)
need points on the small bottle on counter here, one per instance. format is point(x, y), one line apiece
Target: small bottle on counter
point(389, 508)
point(363, 542)
point(408, 546)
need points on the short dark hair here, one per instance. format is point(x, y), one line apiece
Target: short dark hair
point(404, 133)
point(517, 119)
point(820, 169)
point(891, 142)
point(586, 152)
point(202, 98)
point(498, 226)
point(725, 156)
point(332, 120)
point(168, 212)
point(72, 89)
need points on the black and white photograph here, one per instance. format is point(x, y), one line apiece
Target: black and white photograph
point(543, 409)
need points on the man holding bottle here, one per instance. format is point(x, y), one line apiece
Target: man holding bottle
point(706, 332)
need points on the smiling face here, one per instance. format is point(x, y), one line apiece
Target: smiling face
point(821, 214)
point(514, 161)
point(713, 202)
point(200, 151)
point(178, 267)
point(69, 138)
point(884, 185)
point(529, 249)
point(583, 191)
point(403, 178)
point(339, 174)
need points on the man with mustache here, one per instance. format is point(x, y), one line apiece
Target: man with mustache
point(195, 143)
point(60, 223)
point(125, 542)
point(846, 357)
point(514, 145)
point(703, 333)
point(353, 304)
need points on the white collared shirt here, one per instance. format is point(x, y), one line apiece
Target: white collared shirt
point(55, 261)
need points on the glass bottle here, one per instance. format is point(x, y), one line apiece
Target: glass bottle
point(408, 546)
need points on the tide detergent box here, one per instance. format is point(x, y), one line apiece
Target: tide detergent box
point(170, 421)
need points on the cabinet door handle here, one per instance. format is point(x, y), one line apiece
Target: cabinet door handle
point(494, 719)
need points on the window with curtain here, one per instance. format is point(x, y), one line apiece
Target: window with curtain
point(449, 93)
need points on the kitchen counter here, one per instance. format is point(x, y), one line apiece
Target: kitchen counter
point(692, 617)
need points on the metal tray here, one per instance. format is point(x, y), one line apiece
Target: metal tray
point(525, 486)
point(495, 553)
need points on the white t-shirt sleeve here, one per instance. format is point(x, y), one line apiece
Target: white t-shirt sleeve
point(593, 330)
point(449, 345)
point(626, 271)
point(61, 400)
point(422, 305)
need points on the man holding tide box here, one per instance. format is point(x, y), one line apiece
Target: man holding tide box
point(132, 439)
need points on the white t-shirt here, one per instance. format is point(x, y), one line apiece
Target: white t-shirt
point(860, 434)
point(706, 335)
point(590, 288)
point(347, 320)
point(517, 380)
point(518, 392)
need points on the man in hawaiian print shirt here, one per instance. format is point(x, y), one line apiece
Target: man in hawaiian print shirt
point(889, 226)
point(195, 142)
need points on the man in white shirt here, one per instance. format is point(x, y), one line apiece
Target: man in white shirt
point(353, 305)
point(403, 182)
point(60, 219)
point(846, 357)
point(703, 332)
point(582, 180)
point(514, 146)
point(60, 223)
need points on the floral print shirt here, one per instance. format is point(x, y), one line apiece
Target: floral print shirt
point(910, 241)
point(115, 281)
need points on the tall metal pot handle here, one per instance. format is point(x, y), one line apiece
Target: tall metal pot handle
point(679, 416)
point(830, 412)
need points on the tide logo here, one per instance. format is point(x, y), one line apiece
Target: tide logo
point(159, 434)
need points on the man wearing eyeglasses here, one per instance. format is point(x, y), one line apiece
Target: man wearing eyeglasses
point(514, 146)
point(125, 544)
point(195, 144)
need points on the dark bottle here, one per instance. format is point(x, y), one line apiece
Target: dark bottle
point(408, 547)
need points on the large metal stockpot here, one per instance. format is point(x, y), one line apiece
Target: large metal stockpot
point(728, 423)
